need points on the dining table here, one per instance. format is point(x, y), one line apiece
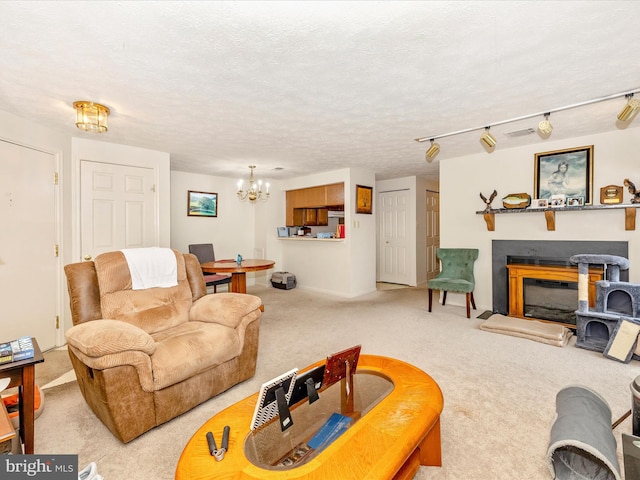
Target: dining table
point(237, 270)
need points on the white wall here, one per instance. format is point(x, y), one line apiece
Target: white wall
point(616, 156)
point(240, 228)
point(339, 268)
point(361, 235)
point(347, 268)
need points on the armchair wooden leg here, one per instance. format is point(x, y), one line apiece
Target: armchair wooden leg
point(444, 297)
point(468, 309)
point(430, 292)
point(473, 302)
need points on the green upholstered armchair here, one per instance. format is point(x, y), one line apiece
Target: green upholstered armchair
point(456, 274)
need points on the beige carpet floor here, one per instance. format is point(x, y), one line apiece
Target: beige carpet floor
point(499, 390)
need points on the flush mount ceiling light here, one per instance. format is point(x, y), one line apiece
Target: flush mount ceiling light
point(632, 106)
point(432, 152)
point(544, 127)
point(488, 139)
point(91, 117)
point(254, 190)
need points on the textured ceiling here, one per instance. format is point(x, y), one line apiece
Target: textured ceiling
point(303, 87)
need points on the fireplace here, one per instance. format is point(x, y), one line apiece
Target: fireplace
point(547, 289)
point(540, 254)
point(552, 300)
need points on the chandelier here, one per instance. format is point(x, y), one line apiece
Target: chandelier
point(254, 190)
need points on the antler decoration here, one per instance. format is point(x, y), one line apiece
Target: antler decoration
point(488, 202)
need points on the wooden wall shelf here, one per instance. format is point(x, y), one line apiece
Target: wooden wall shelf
point(550, 214)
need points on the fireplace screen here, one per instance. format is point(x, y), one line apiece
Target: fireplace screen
point(550, 300)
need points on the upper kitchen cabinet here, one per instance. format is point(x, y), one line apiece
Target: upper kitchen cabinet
point(320, 197)
point(335, 195)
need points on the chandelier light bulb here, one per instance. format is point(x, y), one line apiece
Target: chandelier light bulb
point(254, 190)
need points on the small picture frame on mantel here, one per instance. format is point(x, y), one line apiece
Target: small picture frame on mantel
point(558, 200)
point(539, 203)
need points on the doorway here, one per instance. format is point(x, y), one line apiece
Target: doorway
point(432, 232)
point(117, 209)
point(29, 262)
point(394, 242)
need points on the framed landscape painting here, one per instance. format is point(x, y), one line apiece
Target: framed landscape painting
point(564, 172)
point(202, 204)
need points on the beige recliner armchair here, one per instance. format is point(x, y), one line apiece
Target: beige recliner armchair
point(143, 357)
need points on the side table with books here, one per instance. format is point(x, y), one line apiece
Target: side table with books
point(19, 366)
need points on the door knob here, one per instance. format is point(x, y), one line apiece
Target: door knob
point(87, 257)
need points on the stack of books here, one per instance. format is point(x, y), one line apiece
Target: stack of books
point(16, 350)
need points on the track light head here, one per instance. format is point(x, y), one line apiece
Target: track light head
point(432, 152)
point(632, 106)
point(488, 139)
point(544, 127)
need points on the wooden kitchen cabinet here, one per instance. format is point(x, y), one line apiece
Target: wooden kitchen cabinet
point(322, 216)
point(335, 194)
point(310, 197)
point(309, 206)
point(311, 217)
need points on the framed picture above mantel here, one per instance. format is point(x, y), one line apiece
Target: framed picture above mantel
point(566, 172)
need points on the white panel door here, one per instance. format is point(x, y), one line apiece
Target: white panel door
point(393, 253)
point(433, 233)
point(29, 279)
point(118, 208)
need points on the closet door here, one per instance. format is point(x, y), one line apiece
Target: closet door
point(118, 207)
point(393, 239)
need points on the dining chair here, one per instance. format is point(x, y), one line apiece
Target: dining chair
point(456, 274)
point(204, 252)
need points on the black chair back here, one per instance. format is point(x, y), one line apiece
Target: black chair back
point(204, 252)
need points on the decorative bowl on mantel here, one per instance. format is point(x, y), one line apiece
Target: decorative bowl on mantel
point(516, 200)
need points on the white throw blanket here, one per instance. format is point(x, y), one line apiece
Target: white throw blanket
point(152, 267)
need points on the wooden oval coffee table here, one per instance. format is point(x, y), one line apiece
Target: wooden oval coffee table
point(238, 272)
point(401, 432)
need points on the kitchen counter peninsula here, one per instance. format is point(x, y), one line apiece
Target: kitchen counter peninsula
point(311, 239)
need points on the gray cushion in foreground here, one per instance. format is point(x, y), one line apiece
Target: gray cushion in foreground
point(582, 445)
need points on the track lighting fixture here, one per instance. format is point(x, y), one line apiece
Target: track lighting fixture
point(488, 139)
point(632, 106)
point(544, 127)
point(432, 152)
